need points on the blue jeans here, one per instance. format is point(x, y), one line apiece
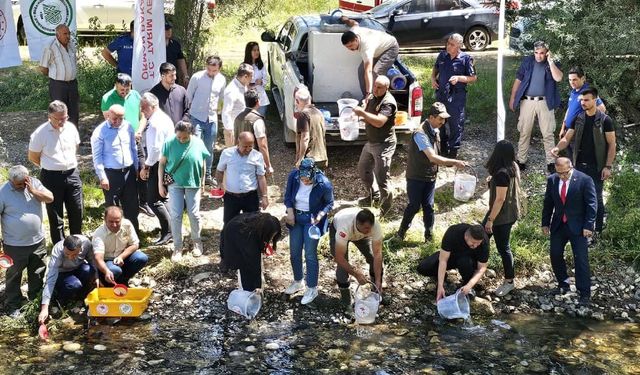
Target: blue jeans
point(75, 284)
point(208, 132)
point(299, 238)
point(177, 197)
point(420, 194)
point(132, 265)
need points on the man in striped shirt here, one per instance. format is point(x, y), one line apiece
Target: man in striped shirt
point(58, 62)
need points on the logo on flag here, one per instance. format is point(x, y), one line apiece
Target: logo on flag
point(3, 24)
point(47, 14)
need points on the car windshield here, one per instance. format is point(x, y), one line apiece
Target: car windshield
point(384, 7)
point(371, 23)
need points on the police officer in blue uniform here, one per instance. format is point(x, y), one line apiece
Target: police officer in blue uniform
point(452, 72)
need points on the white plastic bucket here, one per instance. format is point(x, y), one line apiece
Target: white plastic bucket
point(349, 129)
point(244, 303)
point(464, 186)
point(346, 103)
point(366, 304)
point(314, 232)
point(455, 306)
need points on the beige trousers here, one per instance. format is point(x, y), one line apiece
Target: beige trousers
point(529, 110)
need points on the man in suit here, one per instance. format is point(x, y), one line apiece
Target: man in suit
point(569, 215)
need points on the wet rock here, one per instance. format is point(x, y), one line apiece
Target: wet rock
point(524, 363)
point(250, 349)
point(490, 273)
point(272, 346)
point(434, 340)
point(546, 307)
point(481, 306)
point(597, 315)
point(71, 347)
point(154, 362)
point(145, 316)
point(401, 332)
point(235, 353)
point(100, 347)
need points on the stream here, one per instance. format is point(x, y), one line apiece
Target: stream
point(226, 343)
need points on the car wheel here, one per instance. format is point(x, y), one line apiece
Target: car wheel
point(477, 39)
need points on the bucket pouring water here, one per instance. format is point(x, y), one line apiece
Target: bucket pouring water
point(464, 185)
point(244, 303)
point(366, 304)
point(455, 306)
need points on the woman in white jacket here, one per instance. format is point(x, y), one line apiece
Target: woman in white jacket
point(259, 81)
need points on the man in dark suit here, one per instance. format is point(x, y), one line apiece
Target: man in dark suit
point(569, 215)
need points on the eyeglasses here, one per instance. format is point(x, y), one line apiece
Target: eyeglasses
point(566, 173)
point(58, 120)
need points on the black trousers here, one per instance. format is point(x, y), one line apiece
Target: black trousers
point(67, 92)
point(66, 187)
point(158, 204)
point(123, 192)
point(234, 205)
point(466, 265)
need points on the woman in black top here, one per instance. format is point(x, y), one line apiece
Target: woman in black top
point(504, 206)
point(244, 239)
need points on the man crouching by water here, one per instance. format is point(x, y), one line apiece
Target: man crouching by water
point(465, 247)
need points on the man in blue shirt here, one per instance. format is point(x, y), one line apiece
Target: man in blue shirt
point(115, 160)
point(577, 81)
point(451, 74)
point(422, 170)
point(535, 91)
point(123, 46)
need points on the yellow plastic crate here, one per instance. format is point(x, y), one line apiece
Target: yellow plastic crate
point(103, 302)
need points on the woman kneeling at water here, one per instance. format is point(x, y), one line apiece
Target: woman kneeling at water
point(245, 238)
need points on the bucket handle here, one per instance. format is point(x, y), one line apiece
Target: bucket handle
point(468, 167)
point(343, 108)
point(374, 285)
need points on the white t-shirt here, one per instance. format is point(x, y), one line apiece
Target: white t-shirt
point(302, 197)
point(373, 42)
point(345, 223)
point(259, 129)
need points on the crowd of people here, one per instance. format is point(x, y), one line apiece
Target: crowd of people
point(154, 153)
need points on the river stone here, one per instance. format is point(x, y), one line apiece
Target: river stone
point(71, 347)
point(201, 276)
point(100, 347)
point(250, 349)
point(154, 362)
point(272, 346)
point(546, 307)
point(490, 273)
point(481, 306)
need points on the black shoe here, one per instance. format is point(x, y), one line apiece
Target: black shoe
point(428, 236)
point(522, 166)
point(551, 168)
point(453, 154)
point(145, 209)
point(584, 301)
point(164, 239)
point(400, 234)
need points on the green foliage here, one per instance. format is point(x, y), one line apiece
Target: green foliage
point(191, 25)
point(603, 38)
point(94, 80)
point(23, 88)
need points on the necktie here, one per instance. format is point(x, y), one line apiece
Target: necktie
point(563, 198)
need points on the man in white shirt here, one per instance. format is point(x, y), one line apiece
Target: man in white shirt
point(204, 91)
point(234, 101)
point(378, 49)
point(58, 62)
point(159, 129)
point(360, 227)
point(115, 247)
point(53, 146)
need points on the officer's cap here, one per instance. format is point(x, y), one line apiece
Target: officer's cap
point(438, 109)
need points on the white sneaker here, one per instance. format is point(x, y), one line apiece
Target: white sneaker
point(295, 287)
point(176, 256)
point(309, 295)
point(197, 249)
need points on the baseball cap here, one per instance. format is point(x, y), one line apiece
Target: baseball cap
point(307, 166)
point(438, 109)
point(168, 25)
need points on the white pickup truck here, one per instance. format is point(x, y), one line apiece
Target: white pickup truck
point(308, 52)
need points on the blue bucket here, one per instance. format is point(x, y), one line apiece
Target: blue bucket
point(398, 80)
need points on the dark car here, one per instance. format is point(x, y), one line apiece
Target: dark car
point(418, 23)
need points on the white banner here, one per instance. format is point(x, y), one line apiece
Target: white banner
point(41, 17)
point(9, 51)
point(501, 112)
point(149, 49)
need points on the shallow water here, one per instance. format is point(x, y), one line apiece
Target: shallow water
point(515, 344)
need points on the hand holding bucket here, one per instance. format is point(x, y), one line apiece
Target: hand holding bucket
point(464, 185)
point(5, 261)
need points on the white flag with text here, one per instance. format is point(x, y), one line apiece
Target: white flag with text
point(41, 17)
point(149, 48)
point(9, 51)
